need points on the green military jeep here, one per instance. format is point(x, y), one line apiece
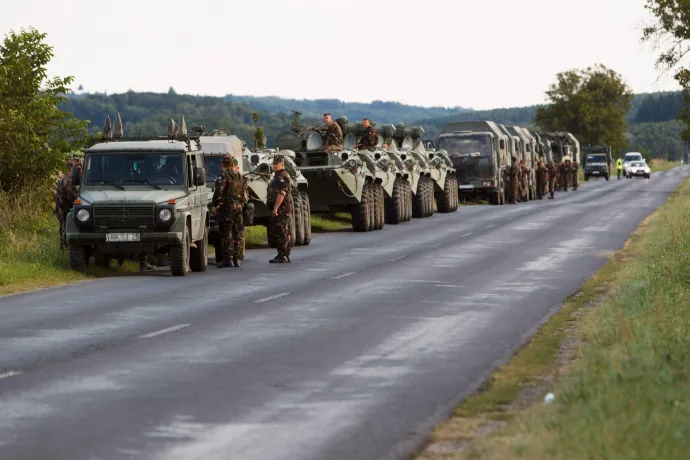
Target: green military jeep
point(141, 196)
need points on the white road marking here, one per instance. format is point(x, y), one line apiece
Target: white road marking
point(425, 281)
point(491, 226)
point(443, 266)
point(316, 269)
point(466, 234)
point(397, 259)
point(164, 331)
point(450, 285)
point(272, 297)
point(268, 274)
point(343, 275)
point(436, 245)
point(9, 374)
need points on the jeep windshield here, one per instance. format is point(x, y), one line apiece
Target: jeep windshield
point(136, 170)
point(212, 166)
point(596, 159)
point(471, 156)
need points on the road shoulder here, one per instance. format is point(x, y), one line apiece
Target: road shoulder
point(615, 357)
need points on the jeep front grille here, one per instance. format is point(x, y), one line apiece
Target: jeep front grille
point(123, 217)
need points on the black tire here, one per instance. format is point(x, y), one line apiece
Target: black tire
point(299, 218)
point(456, 193)
point(306, 209)
point(444, 199)
point(430, 197)
point(410, 198)
point(381, 206)
point(198, 257)
point(179, 255)
point(418, 200)
point(101, 261)
point(372, 206)
point(361, 220)
point(77, 258)
point(587, 178)
point(607, 177)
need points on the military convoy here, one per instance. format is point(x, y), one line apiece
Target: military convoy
point(152, 195)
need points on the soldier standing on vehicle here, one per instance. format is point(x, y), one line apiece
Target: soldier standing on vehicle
point(619, 167)
point(370, 139)
point(334, 135)
point(229, 199)
point(65, 194)
point(279, 201)
point(553, 176)
point(513, 181)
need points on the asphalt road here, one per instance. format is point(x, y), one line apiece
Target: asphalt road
point(353, 351)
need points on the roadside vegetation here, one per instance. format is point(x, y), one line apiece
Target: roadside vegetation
point(616, 357)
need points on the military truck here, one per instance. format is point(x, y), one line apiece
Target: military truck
point(343, 181)
point(563, 144)
point(140, 196)
point(528, 145)
point(596, 161)
point(479, 152)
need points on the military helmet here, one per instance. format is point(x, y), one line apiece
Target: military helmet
point(278, 159)
point(229, 160)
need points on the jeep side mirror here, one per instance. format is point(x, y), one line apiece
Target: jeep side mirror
point(76, 176)
point(199, 176)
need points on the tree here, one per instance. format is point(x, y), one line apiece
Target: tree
point(591, 104)
point(672, 26)
point(259, 134)
point(171, 91)
point(296, 126)
point(35, 135)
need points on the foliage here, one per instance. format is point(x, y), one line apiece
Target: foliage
point(662, 140)
point(590, 103)
point(34, 133)
point(671, 32)
point(259, 134)
point(658, 107)
point(296, 126)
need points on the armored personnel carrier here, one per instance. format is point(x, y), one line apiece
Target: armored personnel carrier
point(140, 196)
point(343, 181)
point(479, 153)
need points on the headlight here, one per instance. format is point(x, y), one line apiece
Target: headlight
point(83, 215)
point(164, 215)
point(436, 161)
point(352, 163)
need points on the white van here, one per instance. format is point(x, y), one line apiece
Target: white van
point(629, 158)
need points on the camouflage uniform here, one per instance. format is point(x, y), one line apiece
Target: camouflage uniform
point(230, 197)
point(334, 137)
point(370, 139)
point(65, 195)
point(524, 184)
point(513, 176)
point(553, 176)
point(575, 180)
point(279, 226)
point(563, 175)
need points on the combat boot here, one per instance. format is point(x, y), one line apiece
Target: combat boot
point(278, 260)
point(224, 264)
point(236, 262)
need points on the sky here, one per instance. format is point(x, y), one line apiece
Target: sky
point(479, 54)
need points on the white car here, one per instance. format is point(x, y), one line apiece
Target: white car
point(629, 158)
point(638, 168)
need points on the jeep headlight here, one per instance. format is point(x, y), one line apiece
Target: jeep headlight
point(164, 215)
point(83, 215)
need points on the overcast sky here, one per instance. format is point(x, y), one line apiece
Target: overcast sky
point(471, 53)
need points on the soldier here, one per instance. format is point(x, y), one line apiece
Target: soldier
point(563, 175)
point(334, 135)
point(370, 139)
point(539, 177)
point(229, 199)
point(279, 200)
point(524, 184)
point(65, 194)
point(575, 175)
point(513, 176)
point(553, 176)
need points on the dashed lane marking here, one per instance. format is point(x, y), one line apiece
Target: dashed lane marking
point(9, 374)
point(466, 234)
point(272, 297)
point(425, 281)
point(343, 276)
point(397, 259)
point(164, 331)
point(450, 285)
point(316, 269)
point(491, 226)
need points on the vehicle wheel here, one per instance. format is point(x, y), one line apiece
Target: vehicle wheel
point(198, 257)
point(101, 261)
point(418, 200)
point(372, 206)
point(456, 193)
point(646, 176)
point(361, 215)
point(430, 197)
point(306, 210)
point(179, 255)
point(299, 218)
point(380, 207)
point(607, 177)
point(587, 178)
point(77, 258)
point(394, 206)
point(444, 199)
point(410, 202)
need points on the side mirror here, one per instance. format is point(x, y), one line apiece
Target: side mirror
point(199, 176)
point(76, 176)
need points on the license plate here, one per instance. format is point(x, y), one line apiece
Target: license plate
point(595, 172)
point(122, 237)
point(466, 186)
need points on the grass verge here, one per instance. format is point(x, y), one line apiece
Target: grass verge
point(616, 356)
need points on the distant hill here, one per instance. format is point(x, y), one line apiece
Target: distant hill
point(380, 111)
point(652, 117)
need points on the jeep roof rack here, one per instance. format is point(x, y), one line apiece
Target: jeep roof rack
point(175, 133)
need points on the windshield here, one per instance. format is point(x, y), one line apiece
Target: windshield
point(212, 166)
point(596, 158)
point(122, 169)
point(465, 146)
point(637, 164)
point(629, 157)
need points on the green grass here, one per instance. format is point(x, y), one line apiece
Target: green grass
point(623, 389)
point(324, 223)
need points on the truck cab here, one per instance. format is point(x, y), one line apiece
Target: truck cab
point(140, 196)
